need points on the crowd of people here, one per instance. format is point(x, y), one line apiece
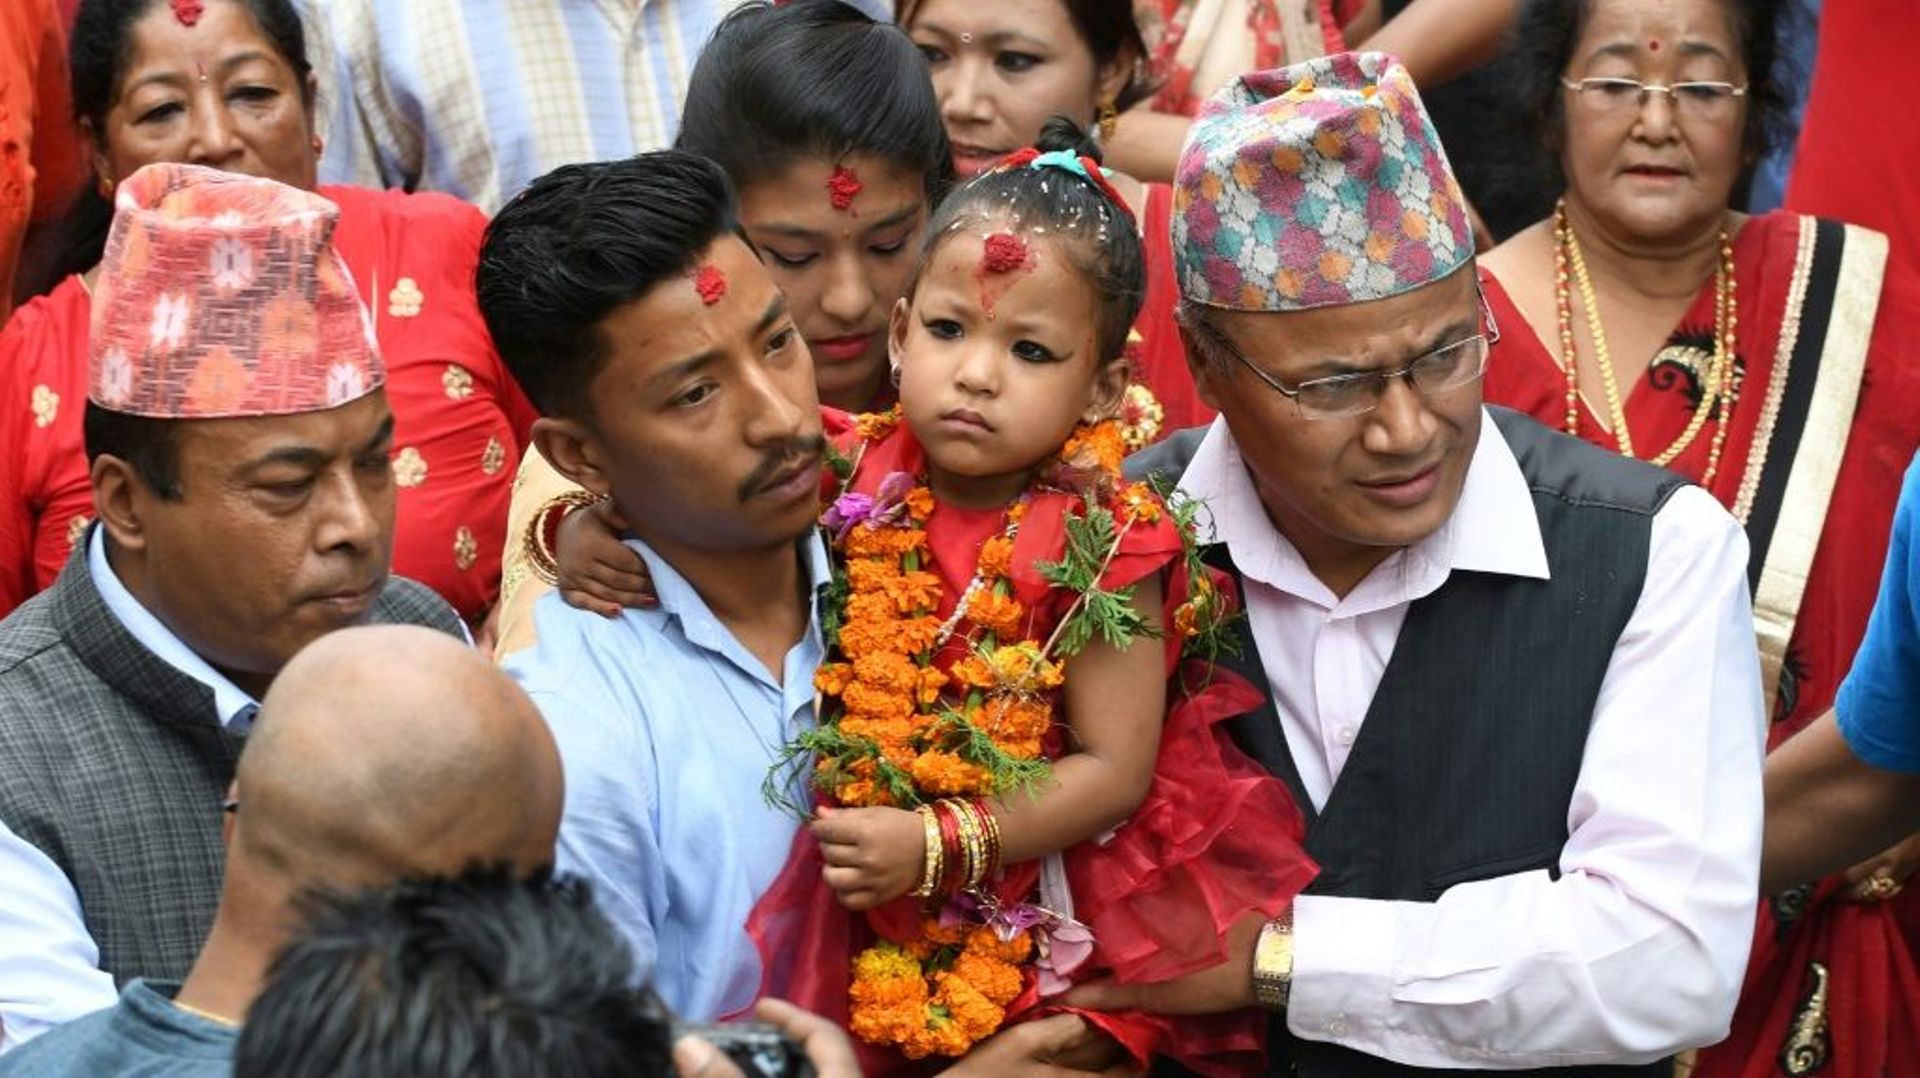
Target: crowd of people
point(964, 536)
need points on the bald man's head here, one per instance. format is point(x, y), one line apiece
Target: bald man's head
point(391, 751)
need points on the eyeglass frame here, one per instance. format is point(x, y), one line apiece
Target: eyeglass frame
point(1648, 89)
point(1490, 337)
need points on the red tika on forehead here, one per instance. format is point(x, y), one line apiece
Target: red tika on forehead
point(1005, 252)
point(188, 11)
point(843, 186)
point(710, 283)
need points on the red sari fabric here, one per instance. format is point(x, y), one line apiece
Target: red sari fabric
point(460, 420)
point(1216, 837)
point(1160, 359)
point(1862, 953)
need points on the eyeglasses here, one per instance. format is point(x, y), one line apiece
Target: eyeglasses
point(1342, 396)
point(1687, 98)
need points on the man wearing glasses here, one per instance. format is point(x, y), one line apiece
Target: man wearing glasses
point(1510, 677)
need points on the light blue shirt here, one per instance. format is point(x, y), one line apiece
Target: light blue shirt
point(667, 726)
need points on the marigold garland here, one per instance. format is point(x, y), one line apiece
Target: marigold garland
point(895, 730)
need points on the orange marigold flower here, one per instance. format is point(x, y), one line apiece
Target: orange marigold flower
point(999, 981)
point(996, 557)
point(967, 1007)
point(1014, 718)
point(938, 1037)
point(870, 606)
point(1001, 615)
point(867, 637)
point(868, 702)
point(932, 681)
point(915, 635)
point(1186, 619)
point(984, 940)
point(973, 672)
point(832, 678)
point(920, 503)
point(891, 672)
point(876, 425)
point(1101, 447)
point(871, 574)
point(1141, 503)
point(942, 774)
point(913, 592)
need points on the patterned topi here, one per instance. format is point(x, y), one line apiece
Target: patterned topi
point(221, 295)
point(1315, 185)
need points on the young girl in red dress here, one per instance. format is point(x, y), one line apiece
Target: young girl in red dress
point(1018, 782)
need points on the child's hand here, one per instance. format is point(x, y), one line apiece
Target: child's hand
point(597, 571)
point(873, 855)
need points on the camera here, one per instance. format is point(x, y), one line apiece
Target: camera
point(759, 1050)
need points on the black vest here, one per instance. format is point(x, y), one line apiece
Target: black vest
point(1465, 766)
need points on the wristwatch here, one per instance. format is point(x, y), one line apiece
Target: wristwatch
point(1273, 962)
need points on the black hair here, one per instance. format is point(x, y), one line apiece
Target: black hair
point(475, 977)
point(1099, 232)
point(151, 446)
point(1541, 47)
point(582, 241)
point(1110, 31)
point(97, 53)
point(775, 84)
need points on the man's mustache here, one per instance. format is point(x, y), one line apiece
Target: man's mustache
point(779, 459)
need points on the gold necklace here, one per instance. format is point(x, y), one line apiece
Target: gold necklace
point(1718, 387)
point(207, 1015)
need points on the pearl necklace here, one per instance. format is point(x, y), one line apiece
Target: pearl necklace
point(1718, 389)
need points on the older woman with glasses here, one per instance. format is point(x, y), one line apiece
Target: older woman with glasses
point(1743, 352)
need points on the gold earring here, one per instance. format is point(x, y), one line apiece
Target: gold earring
point(1108, 119)
point(106, 189)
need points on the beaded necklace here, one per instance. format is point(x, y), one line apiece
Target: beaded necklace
point(1718, 390)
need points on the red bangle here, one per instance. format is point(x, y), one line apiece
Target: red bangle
point(955, 857)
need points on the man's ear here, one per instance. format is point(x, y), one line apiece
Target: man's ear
point(573, 451)
point(1206, 373)
point(121, 500)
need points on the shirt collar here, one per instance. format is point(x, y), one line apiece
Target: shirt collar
point(679, 600)
point(1493, 529)
point(232, 705)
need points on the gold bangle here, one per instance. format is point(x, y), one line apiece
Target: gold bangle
point(933, 862)
point(972, 841)
point(991, 825)
point(540, 554)
point(1273, 962)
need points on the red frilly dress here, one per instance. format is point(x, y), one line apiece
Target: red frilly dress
point(1216, 838)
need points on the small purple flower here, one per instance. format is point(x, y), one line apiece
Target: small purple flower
point(890, 502)
point(847, 510)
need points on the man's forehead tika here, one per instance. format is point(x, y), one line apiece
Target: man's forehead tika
point(711, 282)
point(188, 11)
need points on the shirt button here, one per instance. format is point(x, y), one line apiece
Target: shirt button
point(1338, 1027)
point(1347, 734)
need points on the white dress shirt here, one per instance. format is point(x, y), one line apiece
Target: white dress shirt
point(1638, 949)
point(49, 964)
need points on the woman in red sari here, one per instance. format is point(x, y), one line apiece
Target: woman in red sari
point(1002, 69)
point(1746, 354)
point(226, 83)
